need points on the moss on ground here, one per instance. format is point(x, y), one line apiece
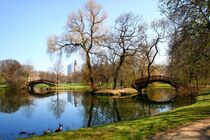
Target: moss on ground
point(140, 128)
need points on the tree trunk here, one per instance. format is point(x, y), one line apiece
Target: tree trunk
point(148, 70)
point(90, 73)
point(57, 79)
point(115, 81)
point(150, 61)
point(116, 73)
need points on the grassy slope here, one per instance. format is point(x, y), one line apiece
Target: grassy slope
point(141, 128)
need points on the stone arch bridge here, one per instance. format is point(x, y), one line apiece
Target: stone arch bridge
point(141, 83)
point(33, 83)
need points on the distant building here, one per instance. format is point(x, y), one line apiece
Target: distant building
point(75, 66)
point(69, 69)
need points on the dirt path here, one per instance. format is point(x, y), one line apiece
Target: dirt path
point(199, 130)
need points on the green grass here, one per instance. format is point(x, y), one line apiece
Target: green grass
point(160, 85)
point(76, 86)
point(140, 128)
point(3, 86)
point(41, 86)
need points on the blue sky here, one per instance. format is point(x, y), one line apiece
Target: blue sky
point(26, 24)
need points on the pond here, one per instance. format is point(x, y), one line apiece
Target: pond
point(23, 114)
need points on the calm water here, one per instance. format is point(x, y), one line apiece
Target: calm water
point(160, 94)
point(23, 112)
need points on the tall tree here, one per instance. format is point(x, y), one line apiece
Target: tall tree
point(189, 14)
point(58, 69)
point(126, 40)
point(151, 47)
point(84, 31)
point(189, 45)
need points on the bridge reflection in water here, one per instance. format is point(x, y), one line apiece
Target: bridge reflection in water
point(159, 94)
point(146, 86)
point(141, 83)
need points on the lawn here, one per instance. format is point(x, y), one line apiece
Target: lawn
point(3, 86)
point(76, 86)
point(140, 128)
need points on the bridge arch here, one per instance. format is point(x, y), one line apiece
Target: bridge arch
point(33, 83)
point(141, 83)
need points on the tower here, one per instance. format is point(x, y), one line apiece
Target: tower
point(75, 66)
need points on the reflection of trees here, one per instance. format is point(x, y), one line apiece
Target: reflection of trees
point(106, 110)
point(116, 111)
point(101, 110)
point(11, 101)
point(29, 107)
point(57, 106)
point(90, 111)
point(75, 99)
point(88, 103)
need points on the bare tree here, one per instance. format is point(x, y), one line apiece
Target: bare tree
point(151, 47)
point(57, 105)
point(58, 69)
point(84, 31)
point(28, 68)
point(126, 40)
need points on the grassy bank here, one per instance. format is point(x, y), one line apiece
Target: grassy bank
point(141, 128)
point(4, 86)
point(64, 87)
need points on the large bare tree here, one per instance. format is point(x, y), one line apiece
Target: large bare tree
point(125, 41)
point(151, 46)
point(84, 31)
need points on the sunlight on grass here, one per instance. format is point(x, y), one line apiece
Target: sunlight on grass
point(3, 86)
point(41, 86)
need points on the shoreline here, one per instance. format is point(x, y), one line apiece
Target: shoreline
point(144, 127)
point(116, 92)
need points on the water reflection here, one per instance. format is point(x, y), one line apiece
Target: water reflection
point(30, 113)
point(57, 105)
point(39, 90)
point(11, 101)
point(75, 99)
point(29, 107)
point(160, 94)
